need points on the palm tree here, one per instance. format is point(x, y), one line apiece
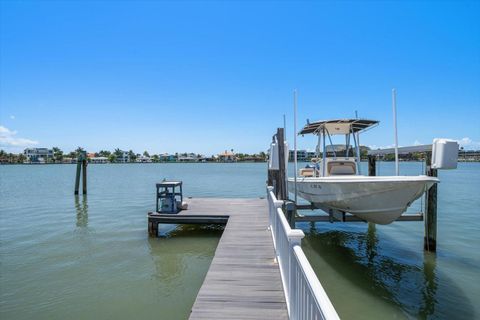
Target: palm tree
point(118, 153)
point(104, 153)
point(146, 154)
point(132, 156)
point(78, 151)
point(57, 154)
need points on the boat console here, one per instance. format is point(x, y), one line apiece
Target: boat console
point(335, 167)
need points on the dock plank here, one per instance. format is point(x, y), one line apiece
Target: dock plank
point(243, 281)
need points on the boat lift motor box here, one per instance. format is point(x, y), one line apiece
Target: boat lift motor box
point(273, 160)
point(444, 154)
point(273, 157)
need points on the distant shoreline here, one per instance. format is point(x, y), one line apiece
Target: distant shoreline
point(197, 162)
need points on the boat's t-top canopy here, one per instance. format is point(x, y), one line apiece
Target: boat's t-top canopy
point(339, 126)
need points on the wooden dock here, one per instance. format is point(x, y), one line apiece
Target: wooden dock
point(243, 281)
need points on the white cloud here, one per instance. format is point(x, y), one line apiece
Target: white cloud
point(468, 143)
point(417, 143)
point(8, 139)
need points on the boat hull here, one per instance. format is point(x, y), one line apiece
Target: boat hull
point(375, 199)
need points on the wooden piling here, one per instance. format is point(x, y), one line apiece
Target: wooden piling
point(77, 177)
point(372, 169)
point(290, 213)
point(277, 178)
point(282, 184)
point(430, 239)
point(272, 179)
point(84, 177)
point(81, 165)
point(153, 228)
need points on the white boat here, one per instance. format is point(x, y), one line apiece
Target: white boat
point(335, 184)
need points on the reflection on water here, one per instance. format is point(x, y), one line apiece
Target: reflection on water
point(404, 284)
point(429, 286)
point(371, 244)
point(178, 244)
point(181, 260)
point(82, 211)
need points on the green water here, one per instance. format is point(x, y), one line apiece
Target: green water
point(73, 257)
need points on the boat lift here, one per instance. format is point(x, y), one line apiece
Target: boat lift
point(442, 154)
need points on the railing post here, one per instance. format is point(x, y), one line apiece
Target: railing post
point(276, 204)
point(270, 207)
point(294, 239)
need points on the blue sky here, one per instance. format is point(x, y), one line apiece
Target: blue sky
point(209, 76)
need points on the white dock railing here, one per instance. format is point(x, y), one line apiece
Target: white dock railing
point(306, 298)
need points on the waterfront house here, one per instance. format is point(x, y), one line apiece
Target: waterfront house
point(227, 156)
point(302, 155)
point(69, 160)
point(165, 157)
point(187, 157)
point(38, 155)
point(98, 159)
point(143, 159)
point(203, 158)
point(123, 157)
point(253, 158)
point(468, 155)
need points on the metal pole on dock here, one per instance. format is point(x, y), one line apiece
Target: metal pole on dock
point(430, 239)
point(394, 105)
point(295, 168)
